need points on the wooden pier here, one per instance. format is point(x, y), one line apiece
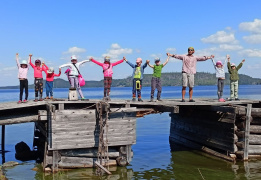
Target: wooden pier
point(75, 134)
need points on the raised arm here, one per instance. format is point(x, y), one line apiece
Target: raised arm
point(29, 59)
point(241, 64)
point(167, 60)
point(17, 60)
point(204, 58)
point(129, 63)
point(84, 61)
point(33, 66)
point(60, 70)
point(96, 62)
point(214, 63)
point(118, 62)
point(66, 65)
point(148, 62)
point(180, 57)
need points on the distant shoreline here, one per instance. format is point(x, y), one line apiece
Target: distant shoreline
point(167, 79)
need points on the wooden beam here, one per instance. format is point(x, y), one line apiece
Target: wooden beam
point(103, 168)
point(247, 131)
point(18, 120)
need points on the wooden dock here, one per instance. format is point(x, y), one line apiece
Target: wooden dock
point(74, 134)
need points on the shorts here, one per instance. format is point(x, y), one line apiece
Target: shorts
point(187, 80)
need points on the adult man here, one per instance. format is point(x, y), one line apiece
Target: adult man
point(189, 70)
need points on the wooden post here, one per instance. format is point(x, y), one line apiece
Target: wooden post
point(49, 123)
point(3, 139)
point(61, 106)
point(128, 150)
point(127, 105)
point(55, 161)
point(247, 131)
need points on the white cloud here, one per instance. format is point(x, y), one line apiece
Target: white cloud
point(229, 47)
point(116, 50)
point(253, 39)
point(254, 67)
point(75, 50)
point(253, 27)
point(220, 37)
point(251, 52)
point(10, 68)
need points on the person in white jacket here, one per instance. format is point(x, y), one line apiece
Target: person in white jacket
point(74, 73)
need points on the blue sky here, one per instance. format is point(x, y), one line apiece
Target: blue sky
point(55, 30)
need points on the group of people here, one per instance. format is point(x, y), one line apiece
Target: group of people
point(73, 73)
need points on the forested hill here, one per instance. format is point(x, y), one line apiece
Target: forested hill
point(168, 79)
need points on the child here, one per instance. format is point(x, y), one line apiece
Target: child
point(107, 72)
point(155, 80)
point(49, 80)
point(38, 79)
point(233, 71)
point(22, 76)
point(220, 74)
point(137, 76)
point(74, 73)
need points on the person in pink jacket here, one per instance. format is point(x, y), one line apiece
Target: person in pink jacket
point(38, 79)
point(49, 80)
point(107, 72)
point(22, 76)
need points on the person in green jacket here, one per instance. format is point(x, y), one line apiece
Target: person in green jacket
point(233, 71)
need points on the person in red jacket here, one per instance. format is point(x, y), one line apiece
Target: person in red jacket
point(38, 78)
point(49, 80)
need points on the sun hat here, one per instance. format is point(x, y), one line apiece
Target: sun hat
point(157, 59)
point(24, 62)
point(50, 70)
point(233, 64)
point(73, 57)
point(107, 59)
point(37, 61)
point(219, 63)
point(138, 60)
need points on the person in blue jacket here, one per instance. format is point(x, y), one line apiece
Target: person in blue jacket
point(137, 76)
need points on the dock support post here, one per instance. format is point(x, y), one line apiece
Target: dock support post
point(247, 131)
point(55, 161)
point(3, 139)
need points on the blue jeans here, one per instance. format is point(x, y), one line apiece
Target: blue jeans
point(49, 88)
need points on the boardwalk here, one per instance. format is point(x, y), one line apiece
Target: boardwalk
point(13, 113)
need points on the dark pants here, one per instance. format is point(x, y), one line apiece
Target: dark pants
point(38, 87)
point(23, 87)
point(49, 88)
point(134, 88)
point(220, 86)
point(155, 83)
point(107, 86)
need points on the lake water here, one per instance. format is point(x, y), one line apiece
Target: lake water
point(153, 158)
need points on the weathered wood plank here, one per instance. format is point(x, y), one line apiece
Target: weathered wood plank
point(88, 144)
point(18, 120)
point(255, 129)
point(112, 153)
point(254, 139)
point(77, 162)
point(247, 131)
